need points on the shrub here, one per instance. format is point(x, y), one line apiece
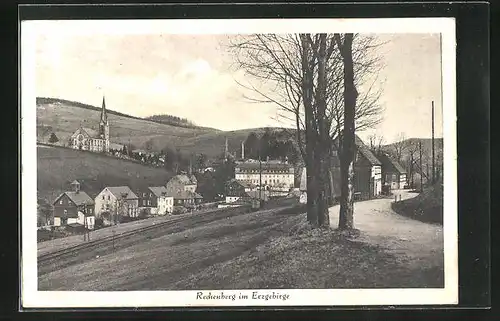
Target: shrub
point(179, 210)
point(99, 223)
point(144, 213)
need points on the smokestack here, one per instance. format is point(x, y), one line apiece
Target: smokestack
point(242, 149)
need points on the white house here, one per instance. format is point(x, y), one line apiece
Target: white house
point(161, 202)
point(116, 201)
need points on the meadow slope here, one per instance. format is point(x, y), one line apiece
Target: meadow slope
point(64, 117)
point(58, 167)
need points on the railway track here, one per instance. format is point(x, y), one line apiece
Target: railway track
point(78, 253)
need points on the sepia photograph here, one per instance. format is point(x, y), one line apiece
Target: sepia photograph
point(294, 162)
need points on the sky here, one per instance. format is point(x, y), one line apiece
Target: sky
point(192, 76)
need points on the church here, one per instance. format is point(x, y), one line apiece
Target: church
point(91, 139)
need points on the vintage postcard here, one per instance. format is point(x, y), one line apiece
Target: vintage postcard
point(207, 163)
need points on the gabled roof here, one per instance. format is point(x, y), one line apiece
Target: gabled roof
point(389, 162)
point(118, 190)
point(80, 198)
point(184, 195)
point(185, 179)
point(364, 150)
point(159, 191)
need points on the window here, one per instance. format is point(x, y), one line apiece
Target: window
point(65, 212)
point(109, 197)
point(103, 197)
point(61, 202)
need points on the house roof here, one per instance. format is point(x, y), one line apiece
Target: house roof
point(185, 179)
point(75, 182)
point(363, 150)
point(117, 191)
point(366, 152)
point(158, 190)
point(183, 195)
point(388, 161)
point(80, 198)
point(91, 132)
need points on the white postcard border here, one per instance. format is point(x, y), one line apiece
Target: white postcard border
point(32, 298)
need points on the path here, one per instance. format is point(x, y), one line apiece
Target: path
point(421, 243)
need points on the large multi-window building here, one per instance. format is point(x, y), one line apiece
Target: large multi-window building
point(273, 175)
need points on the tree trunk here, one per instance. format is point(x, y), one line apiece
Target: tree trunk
point(346, 217)
point(322, 153)
point(307, 90)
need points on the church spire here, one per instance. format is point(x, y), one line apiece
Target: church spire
point(104, 116)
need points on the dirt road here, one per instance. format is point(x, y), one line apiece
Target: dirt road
point(420, 244)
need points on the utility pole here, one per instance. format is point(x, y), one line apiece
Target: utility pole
point(433, 162)
point(421, 169)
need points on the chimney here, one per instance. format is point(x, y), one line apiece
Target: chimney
point(242, 149)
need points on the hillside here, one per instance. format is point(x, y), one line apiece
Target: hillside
point(171, 120)
point(58, 167)
point(63, 117)
point(426, 146)
point(426, 207)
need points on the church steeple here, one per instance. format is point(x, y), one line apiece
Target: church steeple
point(104, 115)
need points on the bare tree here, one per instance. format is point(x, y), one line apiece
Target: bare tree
point(376, 142)
point(346, 217)
point(304, 75)
point(399, 146)
point(412, 149)
point(275, 61)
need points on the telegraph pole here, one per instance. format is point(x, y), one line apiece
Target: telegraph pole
point(421, 169)
point(433, 162)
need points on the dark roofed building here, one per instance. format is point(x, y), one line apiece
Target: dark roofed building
point(74, 207)
point(393, 174)
point(367, 172)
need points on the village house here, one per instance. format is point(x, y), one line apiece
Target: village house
point(367, 172)
point(274, 175)
point(155, 200)
point(183, 182)
point(115, 202)
point(182, 188)
point(90, 139)
point(234, 191)
point(393, 174)
point(74, 208)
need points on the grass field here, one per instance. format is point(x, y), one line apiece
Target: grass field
point(253, 251)
point(58, 167)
